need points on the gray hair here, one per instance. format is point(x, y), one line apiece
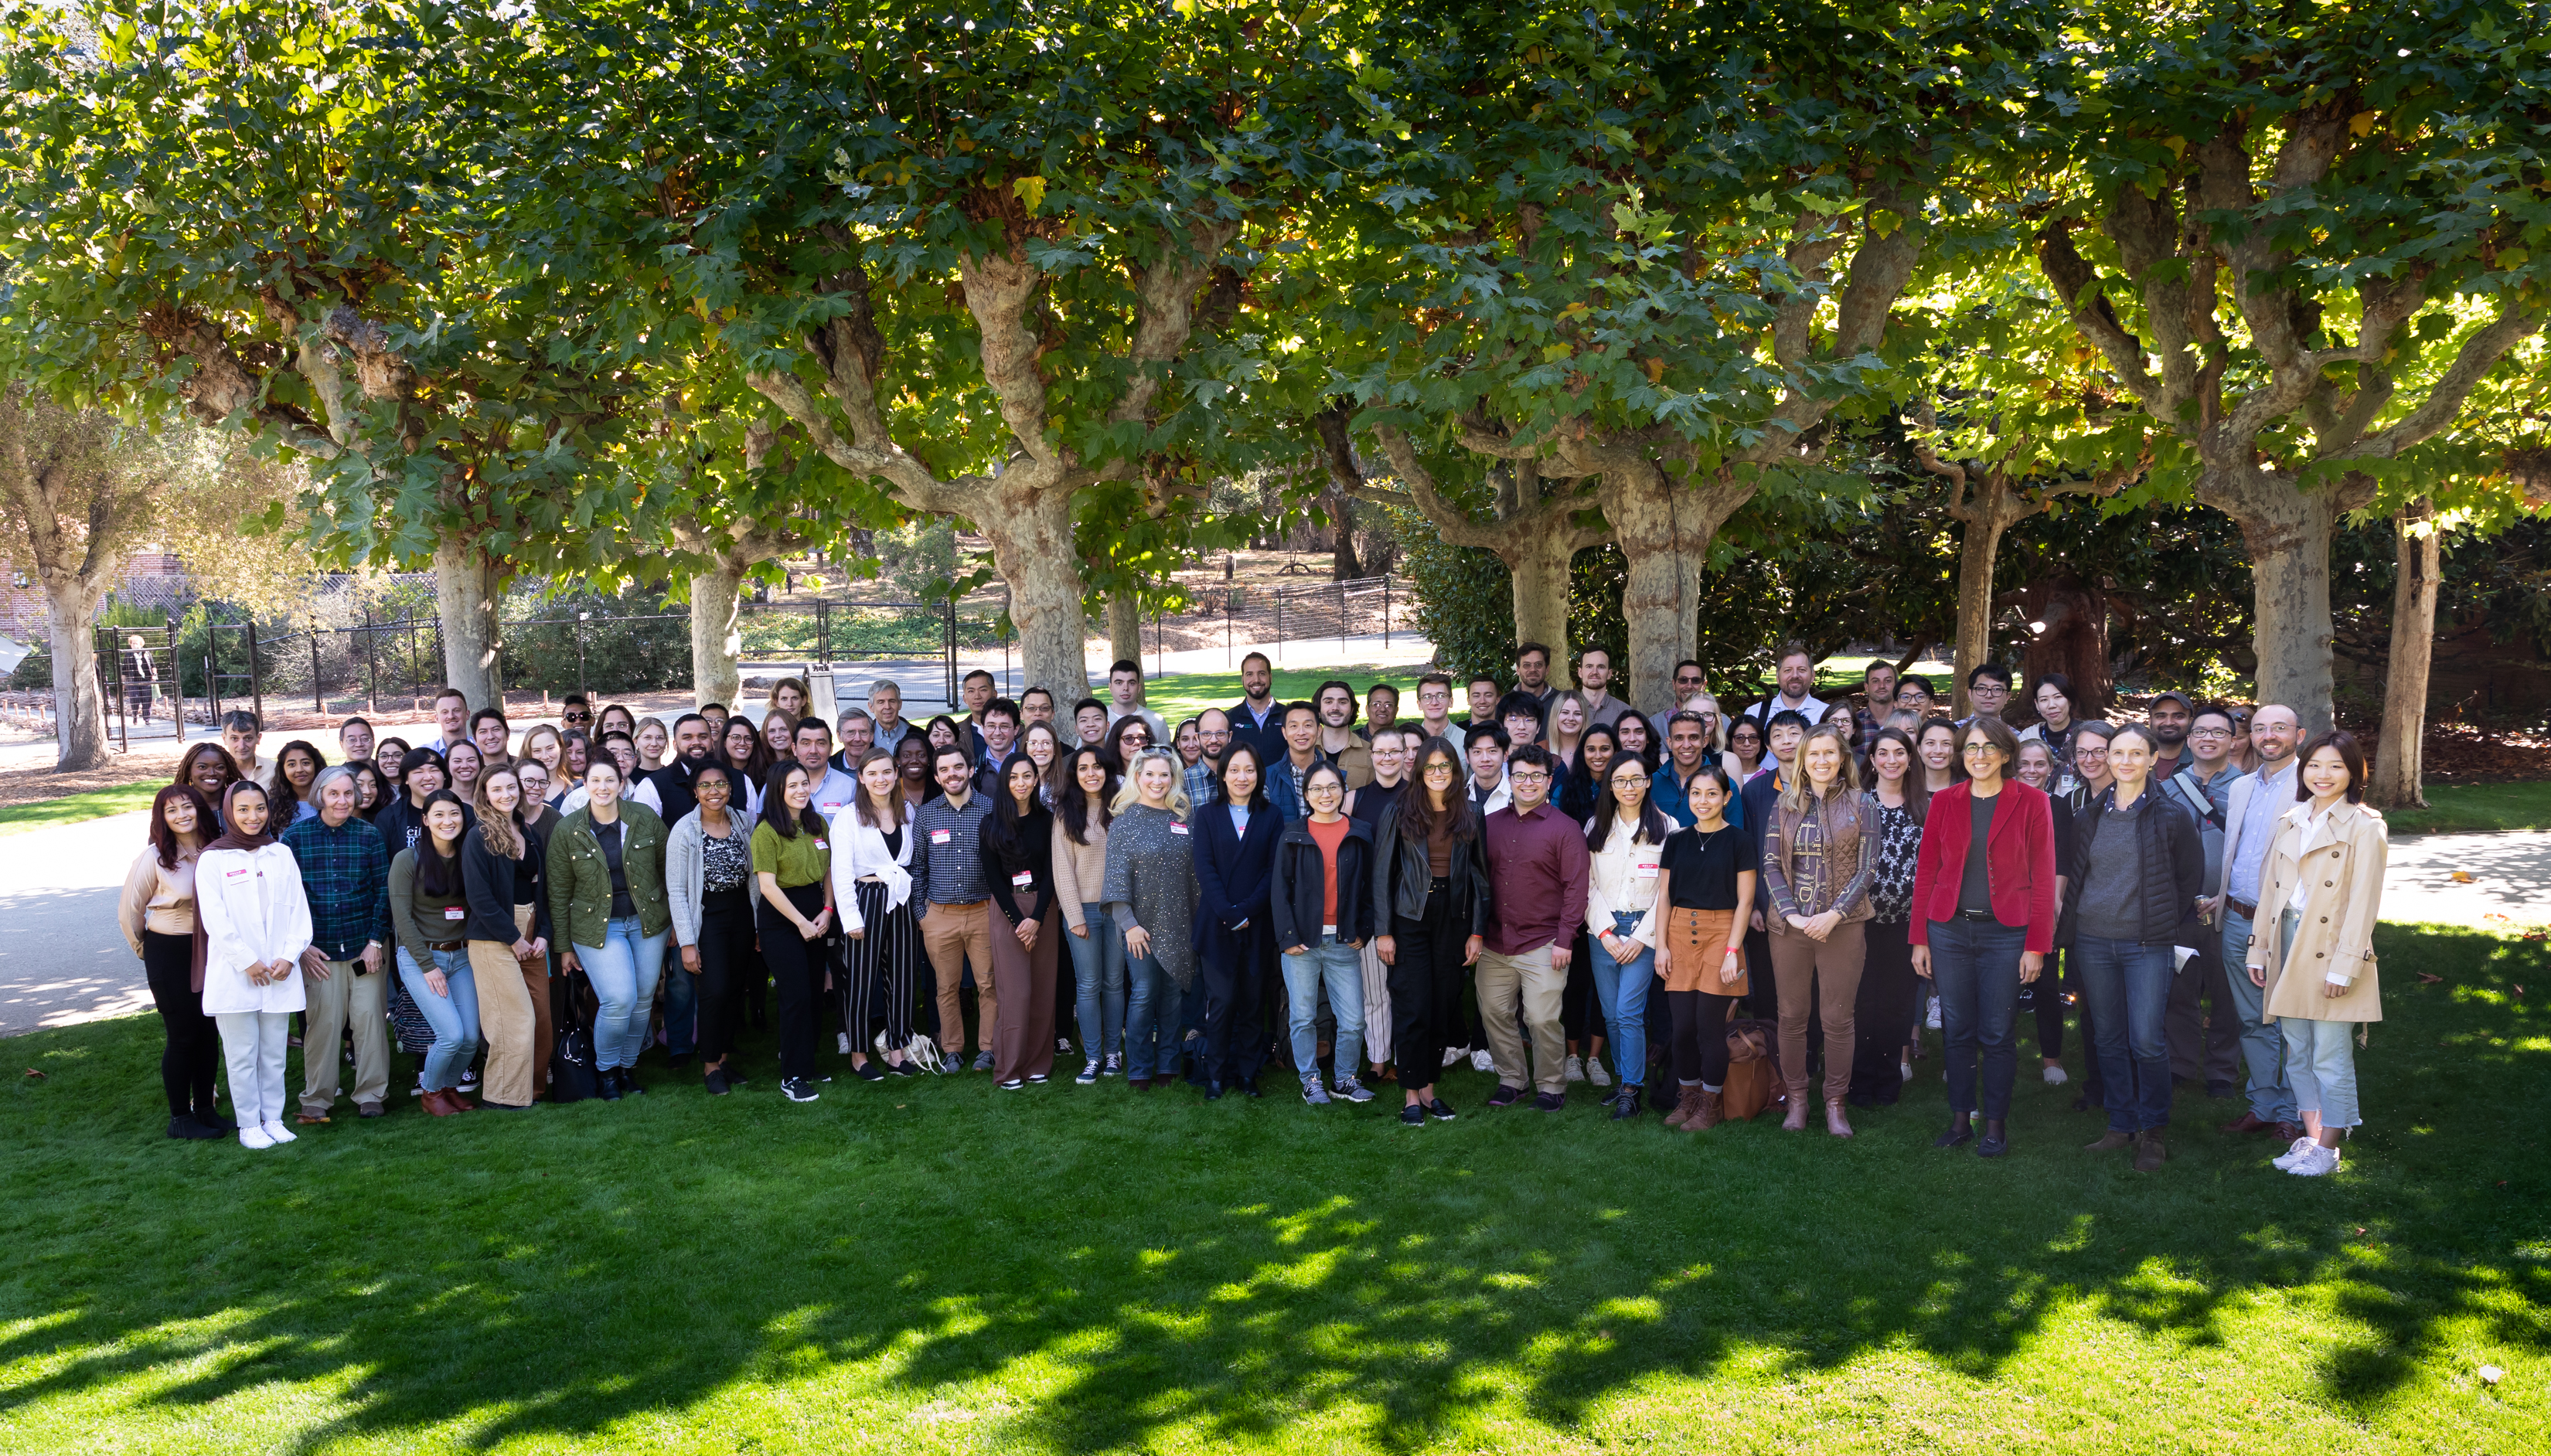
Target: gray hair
point(330, 775)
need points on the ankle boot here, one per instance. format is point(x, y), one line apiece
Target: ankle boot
point(1711, 1114)
point(1687, 1103)
point(1795, 1120)
point(1836, 1123)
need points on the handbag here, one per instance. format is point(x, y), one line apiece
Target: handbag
point(1754, 1080)
point(571, 1069)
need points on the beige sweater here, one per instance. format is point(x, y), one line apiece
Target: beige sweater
point(157, 898)
point(1079, 870)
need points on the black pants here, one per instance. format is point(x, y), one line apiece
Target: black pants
point(194, 1045)
point(726, 951)
point(2044, 997)
point(1578, 1011)
point(1888, 991)
point(1235, 1008)
point(1426, 978)
point(797, 970)
point(1700, 1035)
point(1762, 997)
point(881, 965)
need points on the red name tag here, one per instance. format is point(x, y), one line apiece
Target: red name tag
point(1177, 828)
point(1023, 879)
point(820, 844)
point(938, 837)
point(454, 912)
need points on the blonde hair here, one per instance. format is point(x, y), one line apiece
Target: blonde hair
point(1717, 718)
point(1794, 794)
point(1130, 793)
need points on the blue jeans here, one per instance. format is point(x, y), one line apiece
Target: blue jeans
point(2320, 1056)
point(1622, 987)
point(454, 1017)
point(1975, 966)
point(623, 970)
point(2128, 986)
point(1150, 1018)
point(1340, 967)
point(2263, 1048)
point(1098, 982)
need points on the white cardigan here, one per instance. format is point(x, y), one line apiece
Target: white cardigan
point(858, 852)
point(253, 913)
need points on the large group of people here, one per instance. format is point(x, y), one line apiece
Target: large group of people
point(1556, 887)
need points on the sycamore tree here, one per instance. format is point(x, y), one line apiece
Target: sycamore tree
point(989, 261)
point(1643, 253)
point(273, 212)
point(2298, 239)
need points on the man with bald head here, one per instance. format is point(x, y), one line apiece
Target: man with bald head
point(2259, 799)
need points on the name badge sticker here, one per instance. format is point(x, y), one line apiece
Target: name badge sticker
point(1643, 869)
point(939, 837)
point(1177, 828)
point(454, 912)
point(1023, 879)
point(820, 844)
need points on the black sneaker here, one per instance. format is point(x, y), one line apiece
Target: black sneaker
point(715, 1081)
point(798, 1088)
point(867, 1072)
point(1549, 1101)
point(1013, 1085)
point(188, 1128)
point(1504, 1096)
point(606, 1085)
point(1412, 1115)
point(629, 1082)
point(1439, 1109)
point(1088, 1074)
point(899, 1069)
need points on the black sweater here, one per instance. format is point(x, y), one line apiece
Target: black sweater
point(1035, 901)
point(492, 883)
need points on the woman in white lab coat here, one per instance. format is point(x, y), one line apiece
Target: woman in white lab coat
point(252, 926)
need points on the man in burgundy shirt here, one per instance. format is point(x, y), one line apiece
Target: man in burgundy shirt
point(1537, 887)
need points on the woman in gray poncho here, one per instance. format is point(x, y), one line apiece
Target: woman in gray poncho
point(1151, 892)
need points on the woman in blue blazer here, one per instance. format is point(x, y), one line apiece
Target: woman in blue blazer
point(1235, 934)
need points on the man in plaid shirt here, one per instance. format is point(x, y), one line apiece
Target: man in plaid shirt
point(345, 876)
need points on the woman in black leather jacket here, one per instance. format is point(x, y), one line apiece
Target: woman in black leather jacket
point(1430, 897)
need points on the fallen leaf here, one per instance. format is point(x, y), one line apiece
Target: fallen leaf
point(2462, 877)
point(2360, 1232)
point(39, 1076)
point(2426, 979)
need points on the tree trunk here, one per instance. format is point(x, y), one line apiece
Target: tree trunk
point(2074, 644)
point(1031, 535)
point(1343, 564)
point(1125, 631)
point(717, 636)
point(2287, 532)
point(2397, 766)
point(1664, 531)
point(1975, 588)
point(79, 702)
point(1538, 568)
point(468, 589)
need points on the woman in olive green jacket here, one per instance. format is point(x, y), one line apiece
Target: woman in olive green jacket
point(607, 902)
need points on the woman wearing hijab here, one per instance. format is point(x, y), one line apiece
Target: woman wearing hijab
point(252, 925)
point(158, 913)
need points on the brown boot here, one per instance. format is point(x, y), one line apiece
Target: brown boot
point(1710, 1116)
point(439, 1104)
point(1835, 1122)
point(1795, 1120)
point(1686, 1107)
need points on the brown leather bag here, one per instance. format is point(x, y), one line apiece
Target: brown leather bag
point(1754, 1082)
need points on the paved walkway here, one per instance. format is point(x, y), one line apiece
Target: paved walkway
point(63, 962)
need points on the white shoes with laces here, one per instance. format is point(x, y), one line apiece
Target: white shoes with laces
point(277, 1132)
point(1576, 1069)
point(253, 1136)
point(1596, 1074)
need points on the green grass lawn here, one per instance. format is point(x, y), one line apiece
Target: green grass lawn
point(936, 1266)
point(72, 808)
point(2462, 808)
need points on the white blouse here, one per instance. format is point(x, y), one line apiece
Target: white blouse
point(1621, 879)
point(860, 854)
point(253, 913)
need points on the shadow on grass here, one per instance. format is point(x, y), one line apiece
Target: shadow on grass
point(1087, 1269)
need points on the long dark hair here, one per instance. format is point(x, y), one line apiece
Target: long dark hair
point(1917, 785)
point(438, 873)
point(382, 793)
point(1653, 823)
point(1582, 791)
point(165, 839)
point(756, 764)
point(862, 811)
point(1257, 796)
point(1007, 826)
point(287, 799)
point(1417, 814)
point(1652, 751)
point(1071, 803)
point(774, 803)
point(2350, 753)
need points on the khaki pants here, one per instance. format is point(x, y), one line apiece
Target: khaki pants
point(950, 936)
point(344, 998)
point(1530, 983)
point(1829, 970)
point(507, 1023)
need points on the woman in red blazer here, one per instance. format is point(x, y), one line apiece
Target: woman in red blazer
point(1984, 920)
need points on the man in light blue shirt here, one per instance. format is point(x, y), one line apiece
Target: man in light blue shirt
point(2256, 804)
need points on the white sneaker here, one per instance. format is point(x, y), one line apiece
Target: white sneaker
point(253, 1136)
point(2055, 1077)
point(1576, 1069)
point(1481, 1061)
point(277, 1132)
point(1907, 1068)
point(1453, 1054)
point(2292, 1154)
point(2315, 1161)
point(1596, 1074)
point(842, 1042)
point(1931, 1018)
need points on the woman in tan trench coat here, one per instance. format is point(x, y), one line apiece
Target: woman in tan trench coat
point(2315, 959)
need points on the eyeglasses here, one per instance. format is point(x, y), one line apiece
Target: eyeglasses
point(578, 718)
point(1527, 776)
point(2209, 732)
point(1974, 748)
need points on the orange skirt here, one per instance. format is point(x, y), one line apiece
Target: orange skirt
point(1696, 951)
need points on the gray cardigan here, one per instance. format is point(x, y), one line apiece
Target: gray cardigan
point(686, 869)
